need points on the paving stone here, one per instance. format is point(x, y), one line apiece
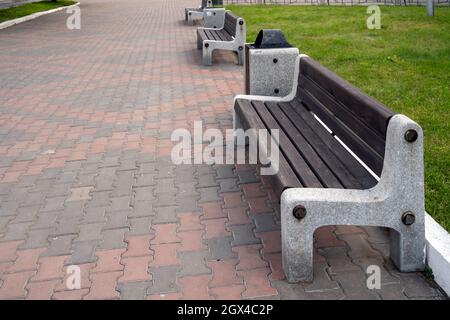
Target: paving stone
point(224, 273)
point(243, 235)
point(228, 185)
point(165, 215)
point(209, 194)
point(195, 287)
point(338, 260)
point(418, 287)
point(187, 203)
point(225, 171)
point(354, 285)
point(359, 247)
point(116, 220)
point(220, 248)
point(165, 254)
point(17, 231)
point(247, 177)
point(66, 226)
point(233, 292)
point(207, 180)
point(103, 286)
point(91, 231)
point(83, 252)
point(377, 235)
point(257, 283)
point(25, 214)
point(164, 280)
point(37, 239)
point(140, 226)
point(142, 209)
point(94, 215)
point(386, 277)
point(60, 245)
point(80, 194)
point(133, 290)
point(113, 239)
point(193, 263)
point(136, 269)
point(322, 281)
point(249, 257)
point(289, 291)
point(264, 222)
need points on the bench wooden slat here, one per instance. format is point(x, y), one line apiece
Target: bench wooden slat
point(316, 164)
point(355, 143)
point(357, 119)
point(373, 113)
point(299, 165)
point(285, 178)
point(230, 23)
point(371, 137)
point(346, 168)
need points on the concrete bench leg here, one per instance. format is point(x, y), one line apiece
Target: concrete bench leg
point(297, 246)
point(207, 54)
point(406, 248)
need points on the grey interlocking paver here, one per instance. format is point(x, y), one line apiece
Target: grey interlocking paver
point(83, 252)
point(164, 280)
point(220, 248)
point(243, 234)
point(194, 263)
point(133, 290)
point(265, 222)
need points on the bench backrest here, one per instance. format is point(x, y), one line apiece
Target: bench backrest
point(230, 23)
point(354, 117)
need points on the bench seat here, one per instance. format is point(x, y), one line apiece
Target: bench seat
point(212, 34)
point(310, 155)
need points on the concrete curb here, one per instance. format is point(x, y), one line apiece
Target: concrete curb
point(438, 252)
point(32, 16)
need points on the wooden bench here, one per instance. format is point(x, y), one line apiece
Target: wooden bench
point(192, 14)
point(230, 37)
point(345, 159)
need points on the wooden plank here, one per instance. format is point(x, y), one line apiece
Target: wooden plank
point(317, 165)
point(369, 156)
point(296, 161)
point(285, 178)
point(346, 168)
point(370, 136)
point(374, 114)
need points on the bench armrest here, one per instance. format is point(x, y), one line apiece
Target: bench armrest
point(286, 98)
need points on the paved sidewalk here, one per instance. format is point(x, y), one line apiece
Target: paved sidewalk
point(86, 177)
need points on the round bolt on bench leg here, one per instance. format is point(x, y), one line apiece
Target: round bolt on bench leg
point(240, 48)
point(299, 212)
point(408, 218)
point(206, 45)
point(275, 60)
point(276, 91)
point(411, 135)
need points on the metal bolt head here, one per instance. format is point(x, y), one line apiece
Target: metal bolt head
point(206, 45)
point(411, 135)
point(276, 91)
point(275, 60)
point(240, 48)
point(408, 218)
point(241, 22)
point(299, 212)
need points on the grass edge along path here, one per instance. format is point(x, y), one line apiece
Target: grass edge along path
point(30, 8)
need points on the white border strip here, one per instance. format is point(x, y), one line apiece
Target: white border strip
point(438, 252)
point(32, 16)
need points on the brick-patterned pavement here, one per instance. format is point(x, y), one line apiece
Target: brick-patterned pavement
point(86, 178)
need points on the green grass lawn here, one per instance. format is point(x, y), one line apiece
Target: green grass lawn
point(26, 9)
point(405, 65)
